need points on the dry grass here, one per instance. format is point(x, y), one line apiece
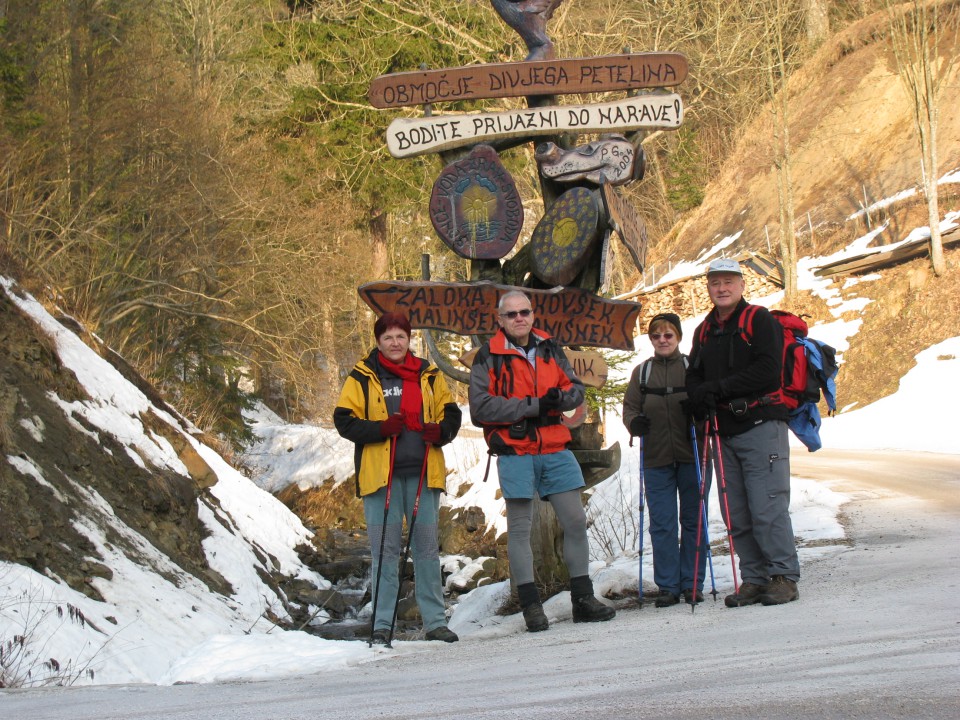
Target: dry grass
point(325, 506)
point(912, 310)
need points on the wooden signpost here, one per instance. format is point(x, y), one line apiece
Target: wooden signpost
point(407, 137)
point(537, 77)
point(475, 207)
point(627, 223)
point(573, 316)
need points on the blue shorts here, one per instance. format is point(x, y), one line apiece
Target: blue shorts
point(550, 474)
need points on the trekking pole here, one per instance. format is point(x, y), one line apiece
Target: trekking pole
point(383, 537)
point(702, 529)
point(406, 551)
point(714, 429)
point(640, 581)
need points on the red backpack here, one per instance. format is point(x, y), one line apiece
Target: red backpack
point(794, 378)
point(809, 369)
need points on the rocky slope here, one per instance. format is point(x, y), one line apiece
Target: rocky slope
point(115, 514)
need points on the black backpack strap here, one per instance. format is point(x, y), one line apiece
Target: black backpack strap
point(645, 370)
point(644, 377)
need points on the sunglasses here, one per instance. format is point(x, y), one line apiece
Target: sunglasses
point(665, 336)
point(512, 314)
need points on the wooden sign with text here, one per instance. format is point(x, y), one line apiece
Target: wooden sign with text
point(614, 159)
point(536, 77)
point(627, 223)
point(587, 365)
point(407, 137)
point(572, 316)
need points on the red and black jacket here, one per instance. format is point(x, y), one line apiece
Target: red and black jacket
point(505, 388)
point(745, 370)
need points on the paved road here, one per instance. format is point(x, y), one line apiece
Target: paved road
point(876, 634)
point(926, 476)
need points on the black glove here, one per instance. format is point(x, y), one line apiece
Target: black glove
point(696, 414)
point(703, 398)
point(393, 425)
point(640, 425)
point(550, 400)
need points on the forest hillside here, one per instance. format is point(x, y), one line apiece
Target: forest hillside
point(204, 185)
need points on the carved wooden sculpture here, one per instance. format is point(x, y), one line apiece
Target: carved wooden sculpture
point(529, 18)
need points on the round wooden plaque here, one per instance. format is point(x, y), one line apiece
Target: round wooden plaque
point(565, 236)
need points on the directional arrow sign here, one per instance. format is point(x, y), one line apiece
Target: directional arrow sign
point(407, 137)
point(627, 222)
point(534, 77)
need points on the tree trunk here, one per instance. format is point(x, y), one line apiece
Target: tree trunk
point(817, 20)
point(916, 33)
point(781, 154)
point(928, 156)
point(930, 191)
point(546, 542)
point(379, 252)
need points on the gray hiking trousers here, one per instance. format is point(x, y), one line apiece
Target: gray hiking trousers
point(756, 468)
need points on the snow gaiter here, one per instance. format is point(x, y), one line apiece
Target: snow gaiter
point(527, 594)
point(580, 587)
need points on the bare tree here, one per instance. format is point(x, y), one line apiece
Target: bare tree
point(919, 32)
point(776, 52)
point(817, 19)
point(782, 29)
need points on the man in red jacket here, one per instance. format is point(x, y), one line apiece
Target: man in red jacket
point(520, 382)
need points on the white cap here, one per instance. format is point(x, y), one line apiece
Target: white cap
point(724, 265)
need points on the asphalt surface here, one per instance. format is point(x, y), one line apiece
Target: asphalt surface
point(875, 634)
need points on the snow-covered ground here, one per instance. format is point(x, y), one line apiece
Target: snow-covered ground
point(167, 633)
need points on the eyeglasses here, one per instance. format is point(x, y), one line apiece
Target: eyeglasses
point(512, 314)
point(665, 336)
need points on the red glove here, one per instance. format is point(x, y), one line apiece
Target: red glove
point(391, 426)
point(431, 433)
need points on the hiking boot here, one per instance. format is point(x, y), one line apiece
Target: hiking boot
point(688, 596)
point(442, 633)
point(780, 591)
point(666, 599)
point(535, 618)
point(380, 637)
point(749, 595)
point(589, 609)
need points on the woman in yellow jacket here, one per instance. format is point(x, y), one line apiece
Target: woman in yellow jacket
point(397, 410)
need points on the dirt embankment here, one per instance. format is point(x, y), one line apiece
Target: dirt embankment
point(853, 143)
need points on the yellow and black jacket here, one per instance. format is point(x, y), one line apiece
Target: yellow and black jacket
point(362, 407)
